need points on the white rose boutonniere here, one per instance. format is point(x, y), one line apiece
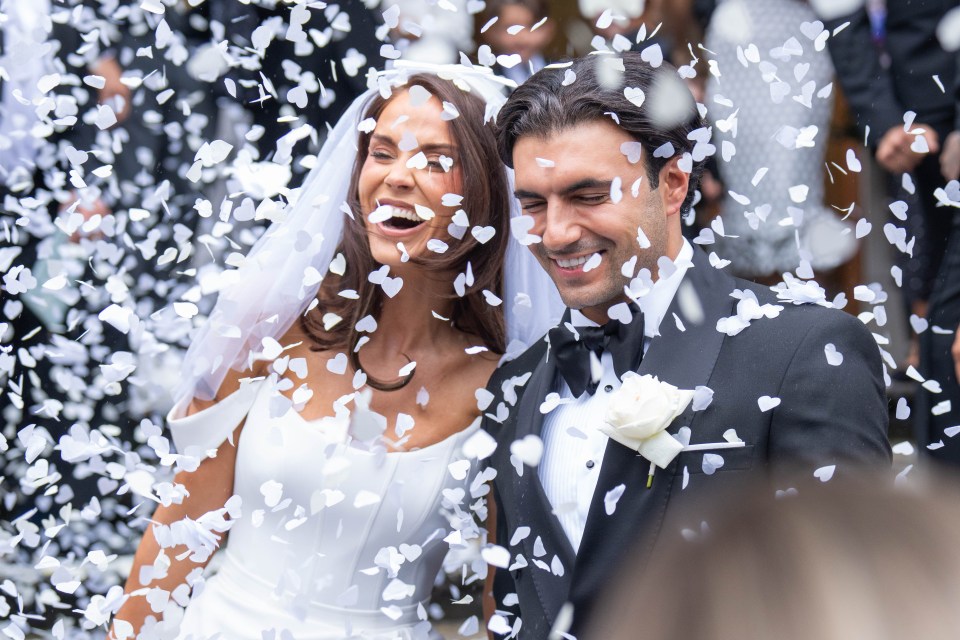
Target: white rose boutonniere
point(639, 414)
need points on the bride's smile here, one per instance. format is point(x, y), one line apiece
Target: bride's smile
point(409, 168)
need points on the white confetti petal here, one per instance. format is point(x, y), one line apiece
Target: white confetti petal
point(612, 497)
point(766, 403)
point(824, 474)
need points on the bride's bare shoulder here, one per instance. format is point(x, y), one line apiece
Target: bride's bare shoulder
point(231, 383)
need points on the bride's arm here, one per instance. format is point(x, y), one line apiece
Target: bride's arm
point(208, 489)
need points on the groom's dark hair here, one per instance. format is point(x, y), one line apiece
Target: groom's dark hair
point(593, 88)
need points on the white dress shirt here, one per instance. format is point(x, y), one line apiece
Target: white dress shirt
point(573, 447)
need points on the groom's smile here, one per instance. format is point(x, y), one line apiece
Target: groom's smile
point(587, 202)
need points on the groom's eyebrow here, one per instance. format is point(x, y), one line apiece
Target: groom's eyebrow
point(579, 185)
point(587, 183)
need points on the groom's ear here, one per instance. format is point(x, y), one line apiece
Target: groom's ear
point(673, 186)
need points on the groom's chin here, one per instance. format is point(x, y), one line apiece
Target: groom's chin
point(587, 298)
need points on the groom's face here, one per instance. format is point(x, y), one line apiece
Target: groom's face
point(587, 201)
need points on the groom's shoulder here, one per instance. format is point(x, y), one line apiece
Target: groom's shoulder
point(797, 319)
point(524, 362)
point(506, 384)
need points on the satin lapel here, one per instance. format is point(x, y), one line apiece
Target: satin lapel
point(534, 508)
point(685, 359)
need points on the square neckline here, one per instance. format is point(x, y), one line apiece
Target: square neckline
point(314, 423)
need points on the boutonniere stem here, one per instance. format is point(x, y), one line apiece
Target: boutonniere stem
point(703, 446)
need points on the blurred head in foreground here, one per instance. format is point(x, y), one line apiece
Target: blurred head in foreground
point(846, 560)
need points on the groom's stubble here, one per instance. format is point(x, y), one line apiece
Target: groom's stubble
point(610, 289)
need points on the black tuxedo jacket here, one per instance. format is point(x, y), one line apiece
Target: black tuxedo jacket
point(829, 415)
point(240, 21)
point(880, 96)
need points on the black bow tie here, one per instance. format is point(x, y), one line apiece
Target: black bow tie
point(624, 342)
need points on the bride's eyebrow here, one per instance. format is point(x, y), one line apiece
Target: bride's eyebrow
point(430, 147)
point(379, 138)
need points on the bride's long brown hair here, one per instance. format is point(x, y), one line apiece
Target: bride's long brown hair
point(487, 204)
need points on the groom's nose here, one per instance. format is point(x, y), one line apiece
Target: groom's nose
point(561, 226)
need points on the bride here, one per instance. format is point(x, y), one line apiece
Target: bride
point(329, 419)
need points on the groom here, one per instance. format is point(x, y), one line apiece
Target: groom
point(607, 154)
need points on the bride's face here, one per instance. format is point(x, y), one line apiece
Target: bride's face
point(411, 164)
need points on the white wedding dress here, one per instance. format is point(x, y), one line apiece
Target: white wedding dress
point(334, 541)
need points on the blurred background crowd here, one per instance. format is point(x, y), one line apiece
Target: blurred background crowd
point(146, 144)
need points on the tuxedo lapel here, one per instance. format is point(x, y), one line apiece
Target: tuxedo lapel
point(533, 505)
point(684, 358)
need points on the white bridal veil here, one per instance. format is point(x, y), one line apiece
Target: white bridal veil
point(278, 280)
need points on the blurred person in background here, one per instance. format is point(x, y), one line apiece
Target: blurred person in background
point(518, 35)
point(907, 110)
point(41, 119)
point(434, 31)
point(939, 413)
point(296, 65)
point(153, 188)
point(59, 88)
point(902, 95)
point(845, 559)
point(772, 108)
point(627, 25)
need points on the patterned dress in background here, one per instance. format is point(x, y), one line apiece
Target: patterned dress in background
point(772, 104)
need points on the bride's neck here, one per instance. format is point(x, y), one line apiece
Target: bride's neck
point(409, 321)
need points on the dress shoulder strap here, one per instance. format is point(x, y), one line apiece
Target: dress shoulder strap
point(206, 430)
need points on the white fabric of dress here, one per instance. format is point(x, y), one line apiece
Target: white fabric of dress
point(335, 541)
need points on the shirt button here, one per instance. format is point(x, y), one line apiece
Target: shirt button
point(608, 388)
point(591, 464)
